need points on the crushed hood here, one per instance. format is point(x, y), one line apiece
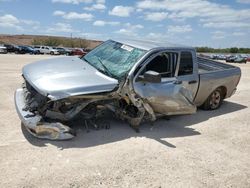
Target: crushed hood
point(61, 77)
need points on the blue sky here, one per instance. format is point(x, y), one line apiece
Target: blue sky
point(213, 23)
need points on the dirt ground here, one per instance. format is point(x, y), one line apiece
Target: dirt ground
point(207, 149)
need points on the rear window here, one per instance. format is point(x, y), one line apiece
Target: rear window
point(186, 64)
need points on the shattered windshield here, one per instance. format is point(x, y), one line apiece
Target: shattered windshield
point(113, 58)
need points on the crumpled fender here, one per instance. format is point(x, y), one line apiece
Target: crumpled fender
point(34, 124)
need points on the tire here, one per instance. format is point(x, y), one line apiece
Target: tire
point(51, 53)
point(214, 100)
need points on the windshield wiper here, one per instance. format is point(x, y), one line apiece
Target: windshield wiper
point(105, 68)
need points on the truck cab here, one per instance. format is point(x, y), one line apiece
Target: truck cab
point(175, 91)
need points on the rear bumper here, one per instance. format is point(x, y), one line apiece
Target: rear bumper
point(35, 125)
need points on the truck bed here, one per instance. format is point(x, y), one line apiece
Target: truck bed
point(207, 65)
point(212, 75)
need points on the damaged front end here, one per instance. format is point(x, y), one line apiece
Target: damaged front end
point(48, 119)
point(31, 108)
point(45, 118)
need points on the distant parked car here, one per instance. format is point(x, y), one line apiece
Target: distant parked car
point(12, 48)
point(221, 57)
point(3, 50)
point(47, 50)
point(248, 58)
point(215, 56)
point(78, 51)
point(236, 59)
point(230, 58)
point(63, 51)
point(28, 50)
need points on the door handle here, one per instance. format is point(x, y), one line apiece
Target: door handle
point(178, 82)
point(192, 82)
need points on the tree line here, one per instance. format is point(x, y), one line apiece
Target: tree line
point(223, 50)
point(67, 42)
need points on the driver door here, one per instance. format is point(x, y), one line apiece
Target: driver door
point(168, 96)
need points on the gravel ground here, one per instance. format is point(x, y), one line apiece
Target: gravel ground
point(207, 149)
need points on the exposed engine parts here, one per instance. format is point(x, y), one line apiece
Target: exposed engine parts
point(58, 113)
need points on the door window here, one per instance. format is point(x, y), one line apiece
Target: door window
point(164, 63)
point(186, 64)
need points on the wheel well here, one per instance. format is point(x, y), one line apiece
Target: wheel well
point(223, 90)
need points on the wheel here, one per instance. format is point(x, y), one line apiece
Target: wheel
point(51, 53)
point(214, 100)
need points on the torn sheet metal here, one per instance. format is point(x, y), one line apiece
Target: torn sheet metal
point(166, 98)
point(35, 125)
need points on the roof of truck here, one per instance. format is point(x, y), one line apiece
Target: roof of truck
point(149, 45)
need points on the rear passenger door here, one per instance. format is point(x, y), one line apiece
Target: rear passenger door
point(188, 72)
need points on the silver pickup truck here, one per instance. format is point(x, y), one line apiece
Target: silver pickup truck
point(137, 80)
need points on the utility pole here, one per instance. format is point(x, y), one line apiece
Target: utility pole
point(71, 40)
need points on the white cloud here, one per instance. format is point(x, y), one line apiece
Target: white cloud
point(155, 35)
point(103, 23)
point(98, 6)
point(121, 11)
point(160, 38)
point(76, 2)
point(10, 21)
point(139, 10)
point(218, 35)
point(238, 34)
point(94, 36)
point(226, 25)
point(33, 24)
point(210, 13)
point(75, 15)
point(131, 26)
point(179, 28)
point(156, 16)
point(61, 27)
point(244, 1)
point(58, 13)
point(130, 29)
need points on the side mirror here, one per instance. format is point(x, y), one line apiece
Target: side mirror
point(151, 77)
